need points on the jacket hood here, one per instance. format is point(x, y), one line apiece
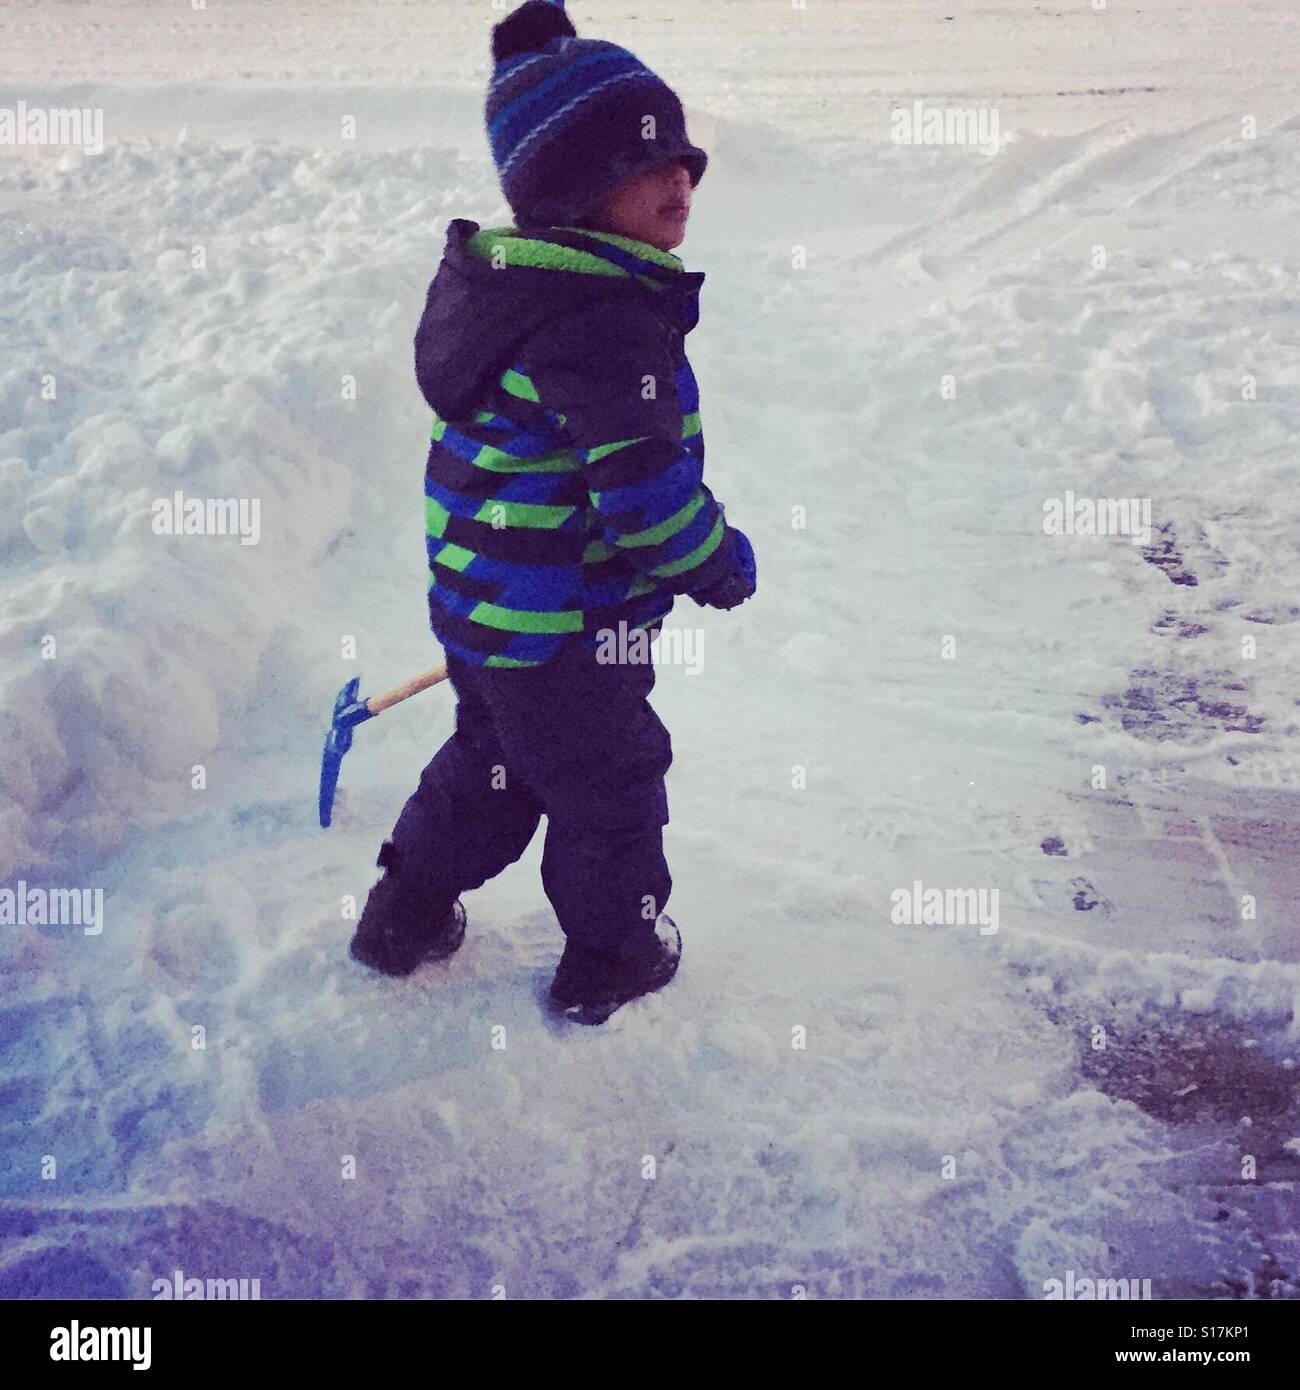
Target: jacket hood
point(496, 287)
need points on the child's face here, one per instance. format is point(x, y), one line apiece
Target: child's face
point(652, 206)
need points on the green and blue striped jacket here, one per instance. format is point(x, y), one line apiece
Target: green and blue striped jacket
point(564, 489)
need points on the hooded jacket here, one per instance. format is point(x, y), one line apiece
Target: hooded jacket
point(563, 489)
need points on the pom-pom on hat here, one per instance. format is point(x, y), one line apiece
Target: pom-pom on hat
point(569, 119)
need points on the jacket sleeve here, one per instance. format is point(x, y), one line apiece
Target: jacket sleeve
point(608, 372)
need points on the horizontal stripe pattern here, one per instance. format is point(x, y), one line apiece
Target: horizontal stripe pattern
point(534, 102)
point(533, 541)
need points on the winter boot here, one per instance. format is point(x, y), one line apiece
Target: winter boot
point(589, 985)
point(400, 927)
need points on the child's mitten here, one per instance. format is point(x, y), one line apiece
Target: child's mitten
point(739, 582)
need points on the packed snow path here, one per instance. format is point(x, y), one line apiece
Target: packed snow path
point(950, 1128)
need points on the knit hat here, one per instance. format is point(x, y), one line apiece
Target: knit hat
point(569, 119)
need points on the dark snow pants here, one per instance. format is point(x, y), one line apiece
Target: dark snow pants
point(575, 740)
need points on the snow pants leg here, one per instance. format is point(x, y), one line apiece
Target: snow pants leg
point(574, 739)
point(467, 820)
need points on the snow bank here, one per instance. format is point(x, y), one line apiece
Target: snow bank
point(212, 322)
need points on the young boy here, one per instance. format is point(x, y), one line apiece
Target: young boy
point(563, 498)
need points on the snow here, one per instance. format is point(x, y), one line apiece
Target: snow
point(224, 301)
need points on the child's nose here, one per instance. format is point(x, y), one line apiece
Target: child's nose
point(679, 175)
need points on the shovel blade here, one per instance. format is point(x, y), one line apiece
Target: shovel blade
point(337, 742)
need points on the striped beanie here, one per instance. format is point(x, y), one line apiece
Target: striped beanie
point(569, 119)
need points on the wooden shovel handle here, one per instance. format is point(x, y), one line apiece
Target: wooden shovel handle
point(377, 704)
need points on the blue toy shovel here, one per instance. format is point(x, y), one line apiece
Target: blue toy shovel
point(348, 713)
